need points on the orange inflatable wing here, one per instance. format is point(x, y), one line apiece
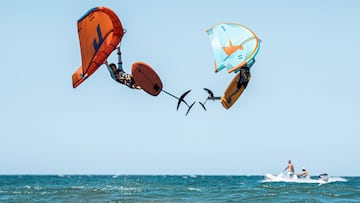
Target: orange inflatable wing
point(100, 31)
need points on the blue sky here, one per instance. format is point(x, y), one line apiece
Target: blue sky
point(301, 104)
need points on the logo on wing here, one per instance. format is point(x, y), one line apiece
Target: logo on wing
point(232, 48)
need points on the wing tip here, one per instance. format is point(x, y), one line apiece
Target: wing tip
point(189, 108)
point(203, 105)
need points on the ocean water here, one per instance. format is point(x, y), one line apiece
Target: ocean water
point(133, 188)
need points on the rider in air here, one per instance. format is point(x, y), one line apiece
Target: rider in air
point(119, 75)
point(245, 74)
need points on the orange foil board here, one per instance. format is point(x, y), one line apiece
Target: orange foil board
point(146, 78)
point(230, 94)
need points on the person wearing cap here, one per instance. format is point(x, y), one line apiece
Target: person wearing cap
point(304, 173)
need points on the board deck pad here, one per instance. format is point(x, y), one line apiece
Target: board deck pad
point(146, 78)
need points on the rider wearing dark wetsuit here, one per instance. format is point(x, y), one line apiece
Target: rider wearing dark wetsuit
point(244, 77)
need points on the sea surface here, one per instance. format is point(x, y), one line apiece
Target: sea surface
point(167, 188)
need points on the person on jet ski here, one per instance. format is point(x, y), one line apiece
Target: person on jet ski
point(304, 173)
point(290, 169)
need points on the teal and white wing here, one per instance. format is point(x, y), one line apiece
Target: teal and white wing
point(233, 46)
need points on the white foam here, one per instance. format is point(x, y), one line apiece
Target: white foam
point(337, 179)
point(283, 178)
point(194, 189)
